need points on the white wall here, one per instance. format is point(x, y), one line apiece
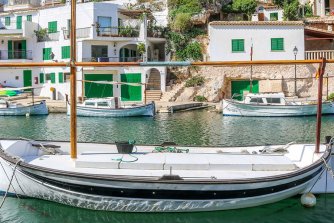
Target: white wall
point(220, 45)
point(267, 12)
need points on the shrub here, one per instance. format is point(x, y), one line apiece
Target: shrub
point(195, 81)
point(182, 22)
point(331, 97)
point(200, 98)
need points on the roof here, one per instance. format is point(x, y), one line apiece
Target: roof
point(311, 31)
point(256, 23)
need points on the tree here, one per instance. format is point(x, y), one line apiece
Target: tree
point(290, 10)
point(246, 6)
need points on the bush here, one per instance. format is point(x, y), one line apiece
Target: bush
point(200, 98)
point(331, 97)
point(195, 81)
point(182, 22)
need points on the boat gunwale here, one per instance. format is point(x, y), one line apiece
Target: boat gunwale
point(13, 160)
point(115, 109)
point(273, 105)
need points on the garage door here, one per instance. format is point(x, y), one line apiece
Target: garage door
point(131, 93)
point(95, 90)
point(238, 87)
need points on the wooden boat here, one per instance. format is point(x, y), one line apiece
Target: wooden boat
point(204, 179)
point(272, 105)
point(110, 107)
point(11, 108)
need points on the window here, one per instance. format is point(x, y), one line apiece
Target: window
point(104, 21)
point(47, 53)
point(273, 100)
point(88, 103)
point(41, 78)
point(277, 44)
point(274, 16)
point(238, 45)
point(67, 77)
point(99, 51)
point(256, 100)
point(65, 52)
point(7, 21)
point(52, 27)
point(102, 104)
point(29, 18)
point(47, 77)
point(61, 77)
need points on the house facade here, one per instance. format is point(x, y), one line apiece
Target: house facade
point(106, 32)
point(261, 40)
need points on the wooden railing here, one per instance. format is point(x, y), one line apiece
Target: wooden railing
point(318, 54)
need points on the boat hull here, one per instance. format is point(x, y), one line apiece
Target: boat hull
point(36, 109)
point(143, 195)
point(233, 108)
point(145, 110)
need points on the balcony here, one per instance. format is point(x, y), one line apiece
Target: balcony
point(120, 31)
point(48, 37)
point(80, 33)
point(111, 59)
point(318, 54)
point(16, 55)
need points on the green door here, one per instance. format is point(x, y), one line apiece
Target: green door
point(96, 90)
point(10, 49)
point(27, 78)
point(238, 87)
point(128, 92)
point(24, 49)
point(19, 22)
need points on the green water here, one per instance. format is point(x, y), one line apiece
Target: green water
point(190, 128)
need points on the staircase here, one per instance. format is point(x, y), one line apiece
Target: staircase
point(153, 95)
point(174, 93)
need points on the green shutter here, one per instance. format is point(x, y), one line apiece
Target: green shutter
point(131, 93)
point(24, 49)
point(27, 78)
point(10, 49)
point(41, 78)
point(46, 53)
point(273, 16)
point(52, 27)
point(65, 52)
point(29, 18)
point(7, 21)
point(96, 90)
point(238, 45)
point(61, 77)
point(18, 22)
point(277, 44)
point(53, 78)
point(238, 88)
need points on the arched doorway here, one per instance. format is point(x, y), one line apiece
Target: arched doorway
point(154, 80)
point(128, 53)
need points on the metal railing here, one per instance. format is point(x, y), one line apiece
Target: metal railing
point(15, 54)
point(19, 2)
point(49, 37)
point(111, 59)
point(318, 54)
point(117, 31)
point(80, 33)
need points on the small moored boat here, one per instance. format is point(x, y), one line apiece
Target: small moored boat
point(272, 105)
point(9, 108)
point(111, 107)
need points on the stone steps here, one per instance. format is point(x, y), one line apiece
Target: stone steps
point(153, 95)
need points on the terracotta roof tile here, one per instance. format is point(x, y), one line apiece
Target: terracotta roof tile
point(256, 23)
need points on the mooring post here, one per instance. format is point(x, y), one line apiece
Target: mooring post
point(321, 71)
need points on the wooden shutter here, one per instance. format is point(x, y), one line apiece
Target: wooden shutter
point(273, 16)
point(65, 52)
point(61, 77)
point(18, 22)
point(277, 44)
point(29, 18)
point(7, 21)
point(46, 53)
point(52, 27)
point(41, 78)
point(10, 49)
point(238, 45)
point(24, 49)
point(53, 78)
point(131, 93)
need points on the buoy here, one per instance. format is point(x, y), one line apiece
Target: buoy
point(308, 200)
point(27, 114)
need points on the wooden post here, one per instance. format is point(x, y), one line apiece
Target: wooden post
point(73, 135)
point(320, 72)
point(145, 93)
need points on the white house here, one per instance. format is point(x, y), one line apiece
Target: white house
point(267, 12)
point(105, 32)
point(269, 40)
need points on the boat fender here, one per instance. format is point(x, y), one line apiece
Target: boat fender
point(308, 200)
point(27, 114)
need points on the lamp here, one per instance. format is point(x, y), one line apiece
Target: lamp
point(295, 51)
point(115, 44)
point(2, 41)
point(115, 51)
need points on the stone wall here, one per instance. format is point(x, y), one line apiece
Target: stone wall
point(218, 80)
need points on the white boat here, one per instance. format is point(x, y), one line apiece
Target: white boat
point(272, 105)
point(111, 107)
point(204, 179)
point(12, 109)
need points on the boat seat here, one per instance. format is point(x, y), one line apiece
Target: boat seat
point(182, 161)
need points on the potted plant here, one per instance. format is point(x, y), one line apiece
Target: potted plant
point(141, 48)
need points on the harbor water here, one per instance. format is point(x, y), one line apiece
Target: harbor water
point(198, 128)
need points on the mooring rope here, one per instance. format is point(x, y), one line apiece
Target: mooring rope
point(10, 183)
point(3, 169)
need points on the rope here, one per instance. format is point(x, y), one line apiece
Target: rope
point(10, 183)
point(3, 169)
point(126, 161)
point(162, 149)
